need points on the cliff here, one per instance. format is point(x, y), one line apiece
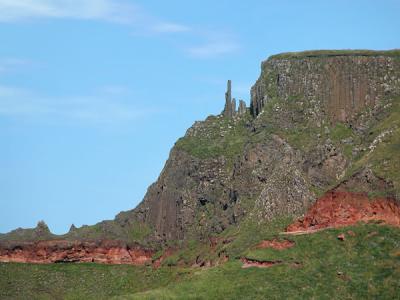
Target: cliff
point(340, 84)
point(317, 121)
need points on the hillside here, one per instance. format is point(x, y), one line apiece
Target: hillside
point(364, 266)
point(317, 149)
point(328, 115)
point(314, 123)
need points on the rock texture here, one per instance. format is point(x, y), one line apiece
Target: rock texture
point(341, 85)
point(230, 104)
point(339, 208)
point(62, 251)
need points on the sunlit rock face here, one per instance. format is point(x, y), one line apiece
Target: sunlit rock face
point(338, 85)
point(61, 251)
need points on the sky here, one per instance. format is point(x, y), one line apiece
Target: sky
point(94, 93)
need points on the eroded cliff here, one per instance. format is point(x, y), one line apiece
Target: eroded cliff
point(317, 120)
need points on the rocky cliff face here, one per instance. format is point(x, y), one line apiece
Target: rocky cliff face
point(318, 120)
point(316, 112)
point(340, 84)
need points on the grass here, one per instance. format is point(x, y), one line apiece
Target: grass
point(78, 281)
point(217, 137)
point(384, 159)
point(366, 265)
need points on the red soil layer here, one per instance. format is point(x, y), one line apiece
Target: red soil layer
point(339, 208)
point(248, 263)
point(106, 252)
point(275, 244)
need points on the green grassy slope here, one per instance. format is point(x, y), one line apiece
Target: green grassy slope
point(366, 265)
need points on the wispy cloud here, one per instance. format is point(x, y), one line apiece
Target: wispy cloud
point(12, 64)
point(215, 44)
point(116, 11)
point(97, 108)
point(109, 10)
point(212, 49)
point(210, 44)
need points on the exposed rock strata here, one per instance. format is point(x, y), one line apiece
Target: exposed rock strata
point(339, 208)
point(57, 251)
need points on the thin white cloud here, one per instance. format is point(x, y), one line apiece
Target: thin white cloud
point(117, 11)
point(102, 108)
point(109, 10)
point(213, 49)
point(12, 64)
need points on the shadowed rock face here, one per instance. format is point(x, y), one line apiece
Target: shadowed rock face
point(57, 251)
point(341, 86)
point(188, 188)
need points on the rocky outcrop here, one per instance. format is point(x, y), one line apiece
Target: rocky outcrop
point(340, 84)
point(249, 263)
point(242, 107)
point(230, 104)
point(62, 251)
point(340, 208)
point(40, 232)
point(196, 197)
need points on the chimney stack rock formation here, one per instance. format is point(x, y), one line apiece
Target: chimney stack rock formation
point(230, 104)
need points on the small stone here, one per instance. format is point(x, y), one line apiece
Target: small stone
point(341, 237)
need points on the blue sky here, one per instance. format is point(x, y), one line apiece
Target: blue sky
point(94, 93)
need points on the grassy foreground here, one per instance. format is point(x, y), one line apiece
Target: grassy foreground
point(366, 265)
